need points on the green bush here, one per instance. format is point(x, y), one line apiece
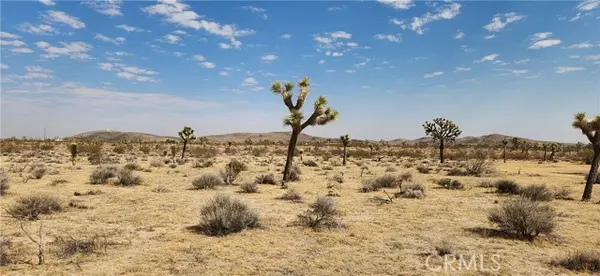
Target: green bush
point(524, 218)
point(224, 215)
point(207, 181)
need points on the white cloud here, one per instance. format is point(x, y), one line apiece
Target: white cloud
point(21, 50)
point(128, 28)
point(4, 66)
point(209, 65)
point(445, 12)
point(117, 41)
point(106, 7)
point(199, 58)
point(388, 37)
point(336, 8)
point(260, 11)
point(48, 2)
point(322, 61)
point(564, 69)
point(224, 73)
point(129, 72)
point(352, 44)
point(268, 58)
point(540, 36)
point(250, 82)
point(13, 43)
point(487, 58)
point(341, 34)
point(179, 32)
point(41, 29)
point(593, 57)
point(459, 35)
point(286, 36)
point(334, 54)
point(398, 4)
point(330, 41)
point(497, 23)
point(518, 72)
point(171, 39)
point(74, 50)
point(36, 72)
point(330, 71)
point(462, 69)
point(545, 44)
point(9, 35)
point(64, 18)
point(224, 46)
point(350, 71)
point(489, 36)
point(588, 5)
point(433, 75)
point(583, 45)
point(522, 61)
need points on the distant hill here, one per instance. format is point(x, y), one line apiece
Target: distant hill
point(114, 136)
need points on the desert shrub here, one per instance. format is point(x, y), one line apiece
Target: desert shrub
point(68, 246)
point(479, 165)
point(101, 174)
point(524, 218)
point(38, 170)
point(391, 169)
point(563, 193)
point(456, 171)
point(156, 162)
point(133, 166)
point(145, 149)
point(5, 254)
point(237, 165)
point(160, 188)
point(202, 164)
point(406, 176)
point(126, 177)
point(90, 192)
point(4, 184)
point(451, 184)
point(443, 249)
point(387, 181)
point(96, 158)
point(413, 190)
point(30, 207)
point(585, 261)
point(310, 163)
point(295, 173)
point(224, 215)
point(249, 187)
point(423, 169)
point(537, 193)
point(58, 181)
point(259, 151)
point(368, 186)
point(207, 181)
point(291, 195)
point(339, 178)
point(265, 179)
point(232, 170)
point(321, 215)
point(119, 149)
point(172, 165)
point(487, 184)
point(507, 187)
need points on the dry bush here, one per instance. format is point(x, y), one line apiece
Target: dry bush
point(172, 165)
point(295, 173)
point(450, 184)
point(487, 184)
point(4, 183)
point(68, 246)
point(126, 177)
point(480, 165)
point(406, 176)
point(207, 181)
point(160, 188)
point(38, 170)
point(586, 261)
point(232, 171)
point(457, 171)
point(537, 193)
point(423, 169)
point(390, 169)
point(265, 179)
point(101, 174)
point(30, 207)
point(443, 249)
point(384, 181)
point(249, 187)
point(507, 187)
point(90, 192)
point(413, 190)
point(321, 215)
point(5, 253)
point(145, 149)
point(224, 215)
point(291, 195)
point(338, 177)
point(58, 181)
point(156, 162)
point(563, 193)
point(202, 164)
point(310, 163)
point(524, 218)
point(133, 166)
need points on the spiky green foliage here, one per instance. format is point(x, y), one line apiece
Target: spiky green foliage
point(443, 130)
point(73, 151)
point(187, 134)
point(345, 139)
point(591, 129)
point(504, 142)
point(516, 141)
point(321, 115)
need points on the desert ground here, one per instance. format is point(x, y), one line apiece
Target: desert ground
point(148, 229)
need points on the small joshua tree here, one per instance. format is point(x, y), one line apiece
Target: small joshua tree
point(443, 130)
point(345, 141)
point(516, 142)
point(187, 134)
point(545, 148)
point(553, 149)
point(504, 144)
point(591, 129)
point(73, 151)
point(321, 115)
point(525, 147)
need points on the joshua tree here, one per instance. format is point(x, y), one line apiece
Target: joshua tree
point(187, 134)
point(579, 146)
point(525, 147)
point(443, 130)
point(553, 149)
point(345, 141)
point(591, 129)
point(73, 151)
point(545, 147)
point(516, 142)
point(321, 115)
point(504, 144)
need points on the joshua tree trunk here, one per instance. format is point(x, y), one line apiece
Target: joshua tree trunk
point(184, 147)
point(442, 151)
point(591, 179)
point(504, 154)
point(290, 156)
point(545, 153)
point(344, 160)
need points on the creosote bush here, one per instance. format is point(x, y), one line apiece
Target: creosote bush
point(384, 181)
point(101, 174)
point(4, 185)
point(413, 190)
point(249, 187)
point(265, 179)
point(133, 166)
point(584, 261)
point(537, 193)
point(32, 206)
point(524, 218)
point(68, 246)
point(232, 171)
point(156, 162)
point(38, 170)
point(423, 169)
point(451, 184)
point(127, 177)
point(295, 173)
point(224, 215)
point(207, 181)
point(291, 195)
point(322, 215)
point(310, 163)
point(563, 193)
point(6, 257)
point(507, 187)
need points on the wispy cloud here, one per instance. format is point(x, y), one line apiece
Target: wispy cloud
point(129, 28)
point(433, 75)
point(566, 69)
point(487, 58)
point(500, 21)
point(63, 18)
point(106, 7)
point(388, 37)
point(117, 40)
point(541, 41)
point(73, 50)
point(260, 11)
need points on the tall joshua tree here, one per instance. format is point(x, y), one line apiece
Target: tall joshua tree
point(187, 134)
point(553, 149)
point(591, 129)
point(504, 144)
point(345, 139)
point(545, 147)
point(443, 130)
point(321, 115)
point(516, 142)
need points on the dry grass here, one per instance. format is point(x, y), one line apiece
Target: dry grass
point(152, 226)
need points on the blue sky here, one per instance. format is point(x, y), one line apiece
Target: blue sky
point(516, 68)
